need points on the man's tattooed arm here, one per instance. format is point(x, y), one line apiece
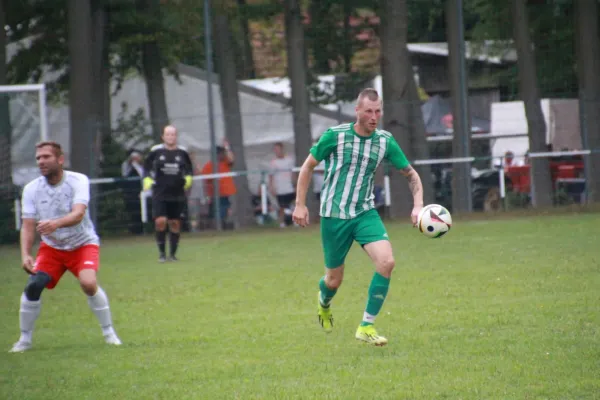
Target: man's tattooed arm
point(414, 184)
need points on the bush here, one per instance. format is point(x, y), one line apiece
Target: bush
point(8, 232)
point(112, 217)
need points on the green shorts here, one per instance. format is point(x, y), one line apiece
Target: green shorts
point(337, 235)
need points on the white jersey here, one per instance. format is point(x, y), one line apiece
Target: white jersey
point(282, 175)
point(43, 201)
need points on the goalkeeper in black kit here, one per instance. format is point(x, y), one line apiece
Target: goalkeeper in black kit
point(168, 172)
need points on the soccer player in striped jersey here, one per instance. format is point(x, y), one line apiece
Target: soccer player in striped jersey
point(352, 152)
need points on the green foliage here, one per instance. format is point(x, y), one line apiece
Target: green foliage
point(41, 27)
point(517, 200)
point(333, 33)
point(132, 129)
point(131, 133)
point(262, 11)
point(562, 198)
point(552, 29)
point(8, 232)
point(175, 26)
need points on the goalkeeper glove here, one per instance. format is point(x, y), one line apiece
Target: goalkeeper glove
point(188, 182)
point(147, 183)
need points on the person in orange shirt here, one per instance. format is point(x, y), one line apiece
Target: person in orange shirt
point(226, 185)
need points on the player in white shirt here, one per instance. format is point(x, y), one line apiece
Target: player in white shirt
point(55, 205)
point(281, 181)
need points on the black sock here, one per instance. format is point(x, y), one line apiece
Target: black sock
point(160, 241)
point(173, 242)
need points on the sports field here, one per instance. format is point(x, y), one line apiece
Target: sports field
point(503, 309)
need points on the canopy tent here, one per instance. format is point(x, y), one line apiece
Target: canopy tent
point(438, 118)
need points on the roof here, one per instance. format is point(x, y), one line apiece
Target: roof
point(491, 51)
point(247, 87)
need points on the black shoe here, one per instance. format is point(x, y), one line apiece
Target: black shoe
point(162, 258)
point(173, 258)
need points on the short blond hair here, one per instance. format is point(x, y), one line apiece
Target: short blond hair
point(368, 93)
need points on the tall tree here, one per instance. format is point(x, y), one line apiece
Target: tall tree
point(401, 107)
point(588, 56)
point(230, 103)
point(298, 71)
point(7, 228)
point(5, 127)
point(541, 183)
point(81, 112)
point(101, 66)
point(152, 65)
point(248, 70)
point(461, 142)
point(322, 25)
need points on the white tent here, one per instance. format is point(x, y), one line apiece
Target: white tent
point(266, 119)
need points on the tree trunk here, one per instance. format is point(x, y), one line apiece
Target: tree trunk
point(152, 71)
point(6, 192)
point(461, 143)
point(101, 74)
point(396, 72)
point(319, 11)
point(588, 56)
point(297, 71)
point(348, 39)
point(81, 88)
point(101, 67)
point(541, 182)
point(230, 104)
point(249, 71)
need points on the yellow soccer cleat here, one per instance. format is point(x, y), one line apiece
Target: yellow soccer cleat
point(325, 316)
point(369, 334)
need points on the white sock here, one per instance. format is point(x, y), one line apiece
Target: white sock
point(99, 305)
point(368, 318)
point(28, 313)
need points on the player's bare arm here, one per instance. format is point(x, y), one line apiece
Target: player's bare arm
point(27, 239)
point(300, 215)
point(228, 153)
point(76, 215)
point(416, 188)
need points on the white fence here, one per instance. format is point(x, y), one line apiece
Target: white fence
point(264, 194)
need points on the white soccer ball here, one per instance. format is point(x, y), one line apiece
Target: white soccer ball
point(434, 221)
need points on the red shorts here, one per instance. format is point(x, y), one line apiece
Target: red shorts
point(56, 262)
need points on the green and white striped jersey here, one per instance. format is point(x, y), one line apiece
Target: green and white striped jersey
point(350, 164)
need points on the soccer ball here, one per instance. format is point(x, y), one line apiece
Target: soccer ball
point(434, 221)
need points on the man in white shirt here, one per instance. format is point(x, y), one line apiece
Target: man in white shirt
point(281, 181)
point(55, 205)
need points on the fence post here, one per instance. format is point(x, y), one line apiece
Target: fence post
point(502, 185)
point(264, 201)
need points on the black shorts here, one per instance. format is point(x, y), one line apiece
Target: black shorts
point(285, 200)
point(172, 209)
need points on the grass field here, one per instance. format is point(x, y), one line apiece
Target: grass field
point(506, 309)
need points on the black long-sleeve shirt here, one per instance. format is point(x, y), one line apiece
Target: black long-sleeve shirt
point(168, 168)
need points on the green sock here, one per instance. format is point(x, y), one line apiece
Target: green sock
point(377, 293)
point(326, 293)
